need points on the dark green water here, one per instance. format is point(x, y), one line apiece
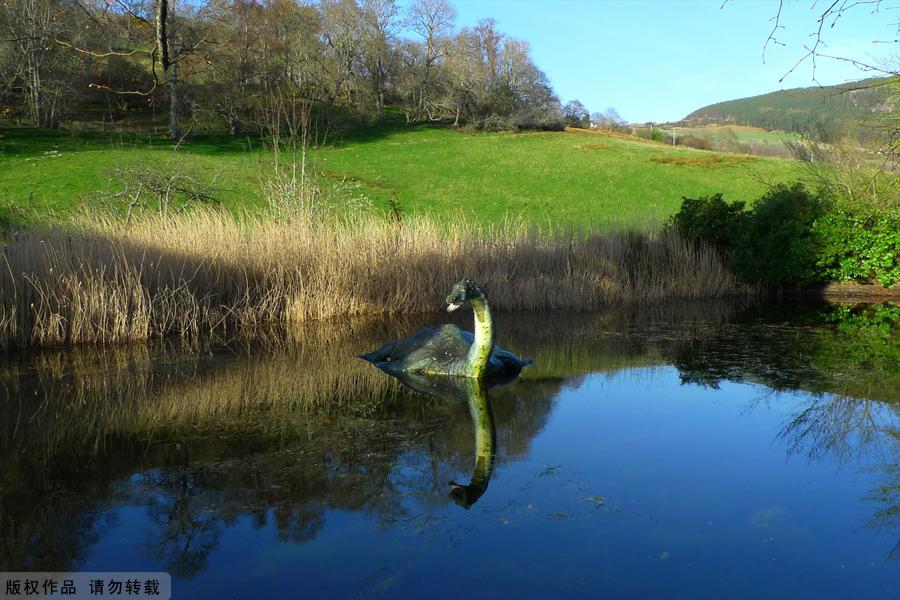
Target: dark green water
point(696, 451)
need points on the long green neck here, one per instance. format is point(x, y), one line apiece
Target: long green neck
point(480, 352)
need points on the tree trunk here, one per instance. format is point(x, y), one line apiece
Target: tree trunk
point(173, 101)
point(164, 42)
point(162, 38)
point(379, 89)
point(174, 98)
point(37, 109)
point(109, 101)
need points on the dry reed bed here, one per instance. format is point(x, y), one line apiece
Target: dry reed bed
point(189, 274)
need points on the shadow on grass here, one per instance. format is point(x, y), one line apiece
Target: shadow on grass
point(10, 219)
point(24, 142)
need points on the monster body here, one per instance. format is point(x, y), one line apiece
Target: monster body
point(447, 349)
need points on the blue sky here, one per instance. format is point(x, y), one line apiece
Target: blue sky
point(658, 60)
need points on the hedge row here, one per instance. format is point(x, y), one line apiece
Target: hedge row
point(792, 236)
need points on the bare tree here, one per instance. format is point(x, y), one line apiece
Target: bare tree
point(826, 20)
point(610, 119)
point(575, 114)
point(432, 21)
point(343, 40)
point(225, 58)
point(380, 18)
point(32, 26)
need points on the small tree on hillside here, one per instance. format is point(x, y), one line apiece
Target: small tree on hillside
point(576, 115)
point(609, 120)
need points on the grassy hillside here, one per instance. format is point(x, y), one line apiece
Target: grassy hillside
point(735, 138)
point(570, 178)
point(837, 109)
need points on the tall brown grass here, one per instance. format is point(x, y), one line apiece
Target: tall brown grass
point(103, 281)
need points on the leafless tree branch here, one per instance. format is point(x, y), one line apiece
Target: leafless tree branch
point(775, 27)
point(99, 54)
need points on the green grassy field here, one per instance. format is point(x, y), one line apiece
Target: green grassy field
point(754, 139)
point(571, 178)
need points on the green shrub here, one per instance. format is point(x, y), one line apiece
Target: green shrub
point(860, 244)
point(795, 237)
point(712, 220)
point(779, 244)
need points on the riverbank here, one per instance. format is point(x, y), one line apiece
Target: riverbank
point(102, 281)
point(845, 292)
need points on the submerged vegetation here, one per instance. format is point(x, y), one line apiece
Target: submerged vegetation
point(187, 274)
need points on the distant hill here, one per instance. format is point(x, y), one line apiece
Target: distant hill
point(830, 110)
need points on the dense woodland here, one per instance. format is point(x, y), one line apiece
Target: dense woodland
point(254, 65)
point(863, 110)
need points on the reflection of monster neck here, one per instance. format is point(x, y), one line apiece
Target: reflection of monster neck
point(480, 352)
point(485, 438)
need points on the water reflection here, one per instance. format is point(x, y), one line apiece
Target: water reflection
point(474, 393)
point(287, 431)
point(846, 358)
point(201, 439)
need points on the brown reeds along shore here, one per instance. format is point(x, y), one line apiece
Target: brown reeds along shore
point(103, 281)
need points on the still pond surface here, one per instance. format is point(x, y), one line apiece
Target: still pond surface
point(696, 451)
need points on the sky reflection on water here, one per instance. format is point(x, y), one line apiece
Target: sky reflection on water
point(706, 453)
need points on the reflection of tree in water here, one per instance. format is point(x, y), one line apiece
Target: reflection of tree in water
point(46, 523)
point(51, 510)
point(832, 350)
point(218, 438)
point(847, 359)
point(332, 464)
point(887, 496)
point(282, 432)
point(185, 531)
point(285, 433)
point(838, 426)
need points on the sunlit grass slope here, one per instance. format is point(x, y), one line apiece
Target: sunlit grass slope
point(569, 178)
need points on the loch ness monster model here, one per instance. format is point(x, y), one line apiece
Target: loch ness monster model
point(447, 349)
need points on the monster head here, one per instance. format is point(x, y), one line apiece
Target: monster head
point(463, 292)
